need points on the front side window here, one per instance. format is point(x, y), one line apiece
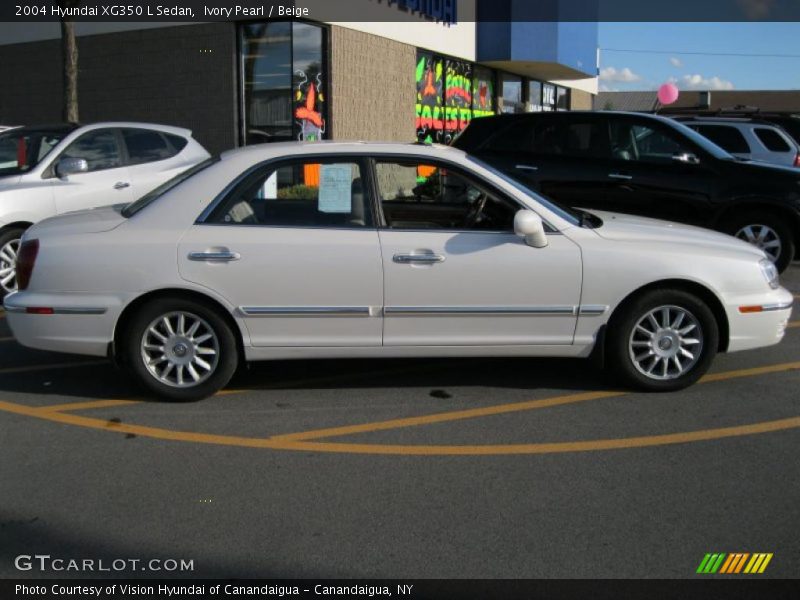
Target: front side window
point(98, 148)
point(145, 146)
point(298, 194)
point(642, 143)
point(726, 137)
point(417, 195)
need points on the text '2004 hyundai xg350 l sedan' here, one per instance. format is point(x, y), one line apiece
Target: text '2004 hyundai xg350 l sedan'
point(381, 250)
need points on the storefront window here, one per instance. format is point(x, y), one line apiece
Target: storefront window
point(535, 96)
point(482, 92)
point(430, 100)
point(283, 80)
point(512, 94)
point(562, 98)
point(548, 97)
point(458, 97)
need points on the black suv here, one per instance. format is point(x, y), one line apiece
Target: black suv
point(644, 165)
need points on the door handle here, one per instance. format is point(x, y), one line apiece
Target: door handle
point(214, 256)
point(526, 168)
point(121, 185)
point(426, 259)
point(620, 176)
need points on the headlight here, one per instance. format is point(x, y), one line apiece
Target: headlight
point(770, 272)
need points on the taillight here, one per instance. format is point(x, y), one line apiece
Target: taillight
point(797, 160)
point(26, 257)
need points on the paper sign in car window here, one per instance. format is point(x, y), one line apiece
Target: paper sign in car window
point(269, 190)
point(336, 189)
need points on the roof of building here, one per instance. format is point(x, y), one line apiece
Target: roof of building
point(784, 101)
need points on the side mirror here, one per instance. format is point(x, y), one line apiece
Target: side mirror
point(70, 166)
point(528, 225)
point(686, 158)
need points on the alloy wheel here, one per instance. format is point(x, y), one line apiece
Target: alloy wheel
point(763, 237)
point(8, 267)
point(666, 343)
point(180, 349)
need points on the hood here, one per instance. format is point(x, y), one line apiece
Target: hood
point(629, 228)
point(94, 220)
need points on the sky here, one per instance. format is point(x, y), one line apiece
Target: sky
point(686, 56)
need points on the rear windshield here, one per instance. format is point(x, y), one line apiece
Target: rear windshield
point(146, 200)
point(23, 148)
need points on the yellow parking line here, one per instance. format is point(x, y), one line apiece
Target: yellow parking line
point(507, 408)
point(87, 405)
point(7, 339)
point(793, 324)
point(69, 365)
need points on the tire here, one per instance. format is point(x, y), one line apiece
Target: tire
point(9, 246)
point(626, 342)
point(195, 361)
point(766, 231)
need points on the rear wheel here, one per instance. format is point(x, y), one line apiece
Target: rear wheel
point(9, 246)
point(664, 340)
point(767, 232)
point(180, 349)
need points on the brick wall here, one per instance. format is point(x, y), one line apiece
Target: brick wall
point(183, 76)
point(373, 91)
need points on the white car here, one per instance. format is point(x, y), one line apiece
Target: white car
point(49, 170)
point(330, 250)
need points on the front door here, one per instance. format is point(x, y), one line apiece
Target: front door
point(107, 182)
point(455, 272)
point(293, 247)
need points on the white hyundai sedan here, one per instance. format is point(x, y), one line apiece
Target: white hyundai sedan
point(331, 250)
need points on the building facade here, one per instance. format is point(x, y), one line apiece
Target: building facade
point(236, 83)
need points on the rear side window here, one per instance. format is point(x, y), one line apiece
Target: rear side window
point(145, 145)
point(298, 194)
point(727, 138)
point(177, 142)
point(771, 139)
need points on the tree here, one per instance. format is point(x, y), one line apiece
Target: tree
point(69, 52)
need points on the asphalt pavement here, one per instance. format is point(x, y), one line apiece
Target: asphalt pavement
point(468, 468)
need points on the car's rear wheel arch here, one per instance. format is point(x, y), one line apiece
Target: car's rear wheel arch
point(708, 297)
point(133, 308)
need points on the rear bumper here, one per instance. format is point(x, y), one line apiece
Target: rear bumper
point(759, 328)
point(78, 324)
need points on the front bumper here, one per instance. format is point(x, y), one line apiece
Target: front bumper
point(758, 320)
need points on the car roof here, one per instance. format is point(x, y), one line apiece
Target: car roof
point(138, 125)
point(727, 120)
point(277, 149)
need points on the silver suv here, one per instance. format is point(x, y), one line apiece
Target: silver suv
point(747, 138)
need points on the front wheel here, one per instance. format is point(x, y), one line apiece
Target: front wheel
point(180, 349)
point(662, 341)
point(9, 246)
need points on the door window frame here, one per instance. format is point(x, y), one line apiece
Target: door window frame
point(365, 171)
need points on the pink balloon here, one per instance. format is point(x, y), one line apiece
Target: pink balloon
point(668, 93)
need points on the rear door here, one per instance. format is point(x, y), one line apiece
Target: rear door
point(294, 248)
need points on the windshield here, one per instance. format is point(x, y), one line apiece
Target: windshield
point(146, 200)
point(702, 141)
point(568, 214)
point(23, 148)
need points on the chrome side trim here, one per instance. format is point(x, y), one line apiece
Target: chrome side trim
point(63, 310)
point(305, 311)
point(421, 311)
point(592, 310)
point(776, 306)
